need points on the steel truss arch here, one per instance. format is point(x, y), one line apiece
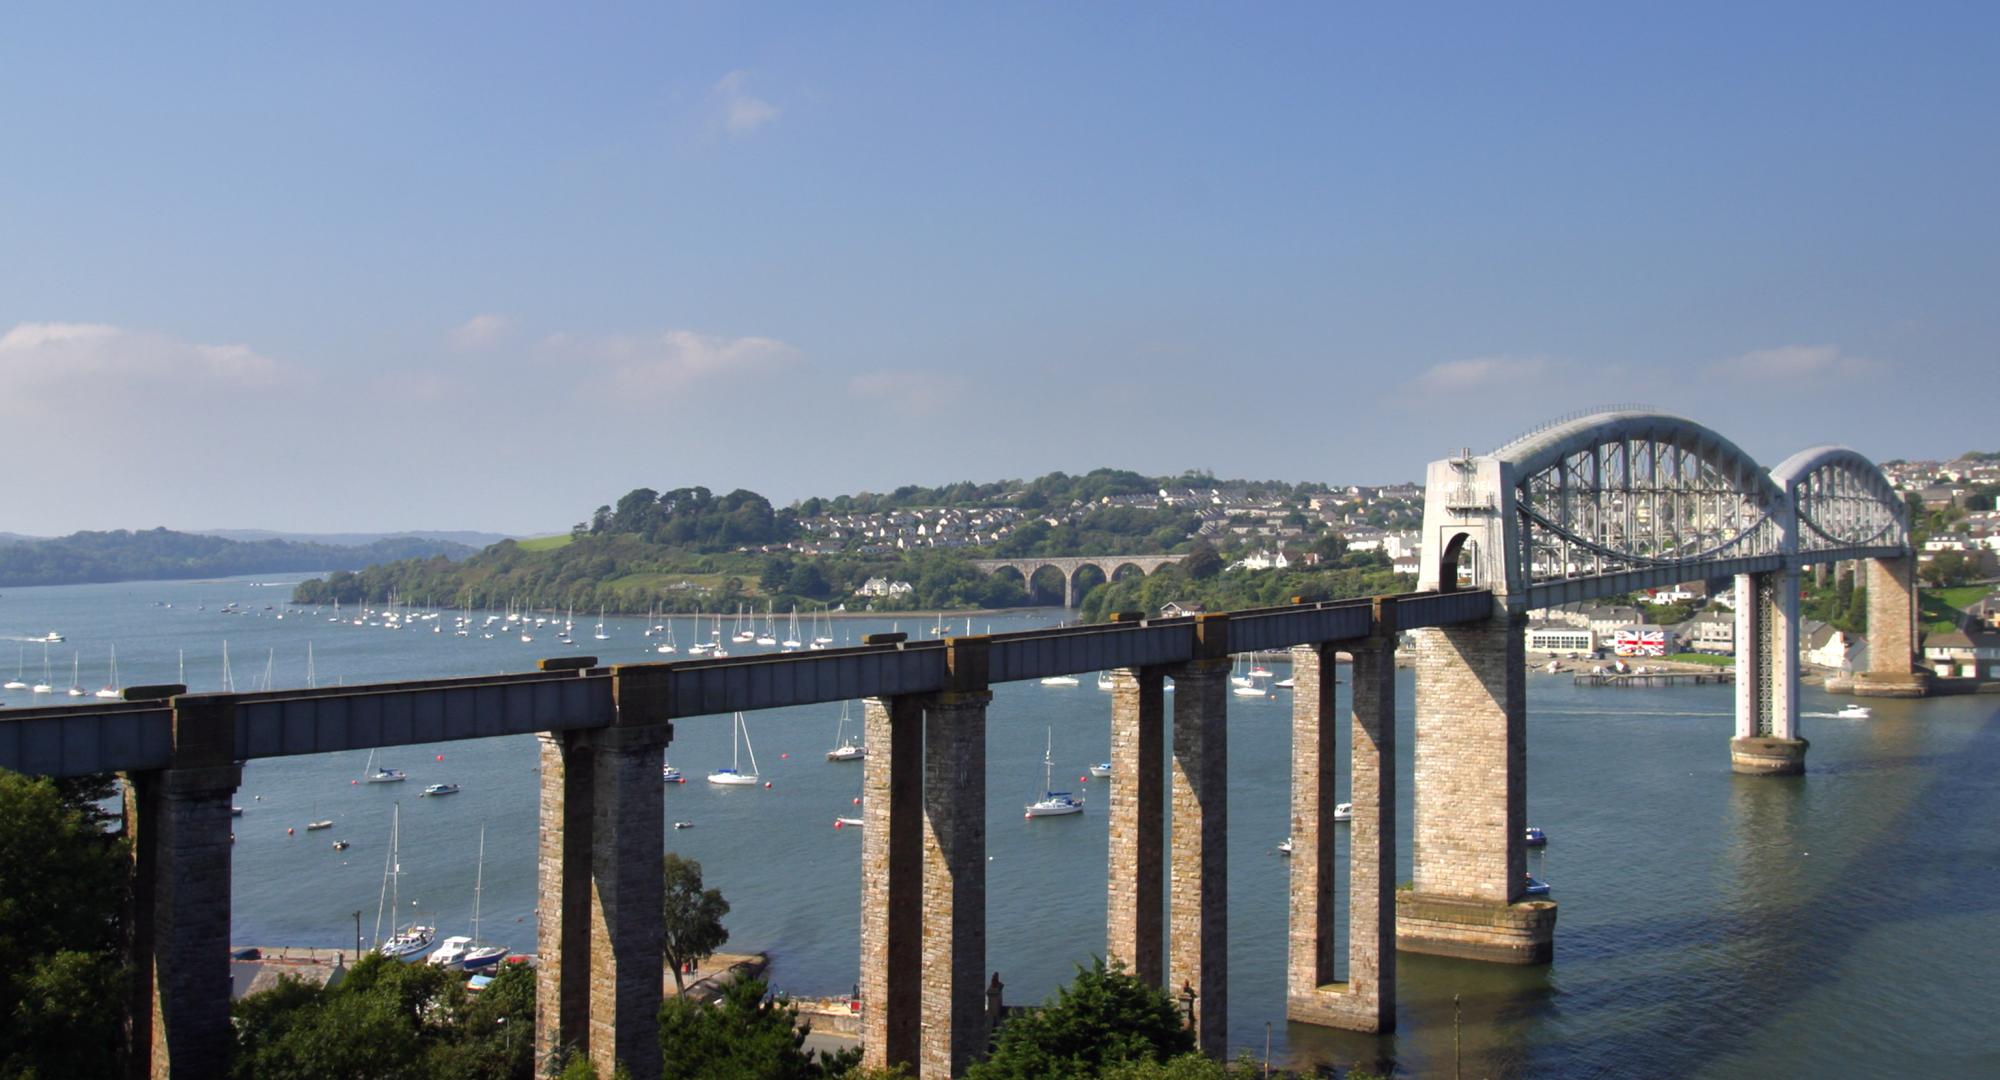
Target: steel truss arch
point(1844, 504)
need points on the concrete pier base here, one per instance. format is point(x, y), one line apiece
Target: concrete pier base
point(1522, 932)
point(1761, 756)
point(1891, 684)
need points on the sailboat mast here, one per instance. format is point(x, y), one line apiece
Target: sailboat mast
point(478, 882)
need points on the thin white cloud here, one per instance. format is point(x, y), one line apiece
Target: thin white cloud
point(741, 111)
point(635, 368)
point(910, 393)
point(66, 365)
point(481, 332)
point(1795, 362)
point(1481, 373)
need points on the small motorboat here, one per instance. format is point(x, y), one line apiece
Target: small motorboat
point(1536, 837)
point(1101, 770)
point(235, 811)
point(1285, 847)
point(683, 824)
point(314, 826)
point(1252, 689)
point(341, 845)
point(1286, 683)
point(1061, 680)
point(672, 775)
point(1343, 811)
point(845, 822)
point(1854, 712)
point(53, 638)
point(1535, 886)
point(441, 789)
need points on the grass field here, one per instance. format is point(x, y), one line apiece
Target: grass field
point(544, 543)
point(1703, 658)
point(1941, 609)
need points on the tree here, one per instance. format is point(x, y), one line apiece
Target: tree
point(62, 981)
point(1105, 1016)
point(807, 579)
point(1946, 569)
point(691, 915)
point(1202, 562)
point(744, 1036)
point(776, 573)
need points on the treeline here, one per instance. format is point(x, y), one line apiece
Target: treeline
point(162, 554)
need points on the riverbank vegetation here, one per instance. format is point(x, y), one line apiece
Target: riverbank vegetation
point(162, 555)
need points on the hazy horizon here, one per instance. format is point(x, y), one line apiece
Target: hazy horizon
point(323, 270)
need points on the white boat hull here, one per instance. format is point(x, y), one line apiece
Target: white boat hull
point(730, 779)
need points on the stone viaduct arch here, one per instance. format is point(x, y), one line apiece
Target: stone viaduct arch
point(1108, 565)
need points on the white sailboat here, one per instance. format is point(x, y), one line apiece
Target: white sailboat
point(844, 746)
point(770, 634)
point(739, 741)
point(110, 688)
point(466, 953)
point(75, 674)
point(696, 646)
point(668, 646)
point(20, 662)
point(743, 635)
point(821, 639)
point(1236, 676)
point(792, 636)
point(410, 942)
point(1052, 803)
point(600, 634)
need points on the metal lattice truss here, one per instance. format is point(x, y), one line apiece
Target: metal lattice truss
point(1617, 500)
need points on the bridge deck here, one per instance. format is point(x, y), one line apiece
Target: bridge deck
point(59, 741)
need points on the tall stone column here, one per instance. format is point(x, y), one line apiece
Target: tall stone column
point(954, 884)
point(598, 987)
point(178, 821)
point(1366, 1000)
point(1199, 928)
point(1892, 632)
point(892, 859)
point(1767, 676)
point(1471, 801)
point(1136, 903)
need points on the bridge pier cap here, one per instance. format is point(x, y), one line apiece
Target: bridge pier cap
point(1623, 499)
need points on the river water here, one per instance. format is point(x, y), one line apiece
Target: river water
point(1839, 923)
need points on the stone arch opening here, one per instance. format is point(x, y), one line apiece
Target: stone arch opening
point(1127, 570)
point(1454, 560)
point(1047, 585)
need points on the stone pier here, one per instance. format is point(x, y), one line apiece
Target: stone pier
point(954, 1032)
point(598, 986)
point(1767, 741)
point(1892, 633)
point(892, 858)
point(1366, 1000)
point(1471, 801)
point(178, 821)
point(1136, 902)
point(1197, 931)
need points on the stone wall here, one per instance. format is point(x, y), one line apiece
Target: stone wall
point(1135, 903)
point(954, 1031)
point(1198, 929)
point(1471, 761)
point(891, 879)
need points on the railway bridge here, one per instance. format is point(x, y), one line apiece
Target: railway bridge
point(1595, 506)
point(1108, 565)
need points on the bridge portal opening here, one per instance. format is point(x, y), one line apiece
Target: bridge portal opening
point(1046, 587)
point(1087, 578)
point(1455, 564)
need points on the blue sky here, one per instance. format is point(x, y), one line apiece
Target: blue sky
point(359, 267)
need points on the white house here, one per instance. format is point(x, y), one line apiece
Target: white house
point(877, 586)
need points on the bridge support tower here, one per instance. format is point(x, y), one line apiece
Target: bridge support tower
point(923, 873)
point(1366, 999)
point(598, 985)
point(1767, 741)
point(1892, 633)
point(1471, 801)
point(179, 825)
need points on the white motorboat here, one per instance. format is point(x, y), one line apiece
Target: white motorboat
point(1101, 770)
point(1343, 811)
point(1286, 683)
point(441, 789)
point(738, 742)
point(1285, 846)
point(1104, 680)
point(54, 638)
point(1854, 712)
point(1061, 680)
point(847, 823)
point(1052, 803)
point(315, 826)
point(844, 746)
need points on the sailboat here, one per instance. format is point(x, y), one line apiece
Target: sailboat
point(715, 643)
point(20, 662)
point(75, 674)
point(770, 634)
point(822, 639)
point(464, 952)
point(668, 646)
point(697, 647)
point(1236, 676)
point(110, 688)
point(601, 635)
point(844, 746)
point(742, 634)
point(1104, 680)
point(383, 775)
point(1052, 803)
point(792, 636)
point(410, 942)
point(738, 742)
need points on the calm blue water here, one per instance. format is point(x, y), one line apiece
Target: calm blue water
point(1842, 922)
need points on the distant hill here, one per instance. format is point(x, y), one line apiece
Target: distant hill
point(161, 554)
point(467, 537)
point(16, 538)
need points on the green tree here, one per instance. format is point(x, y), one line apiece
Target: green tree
point(62, 981)
point(691, 916)
point(1202, 562)
point(1103, 1017)
point(1946, 569)
point(744, 1036)
point(776, 573)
